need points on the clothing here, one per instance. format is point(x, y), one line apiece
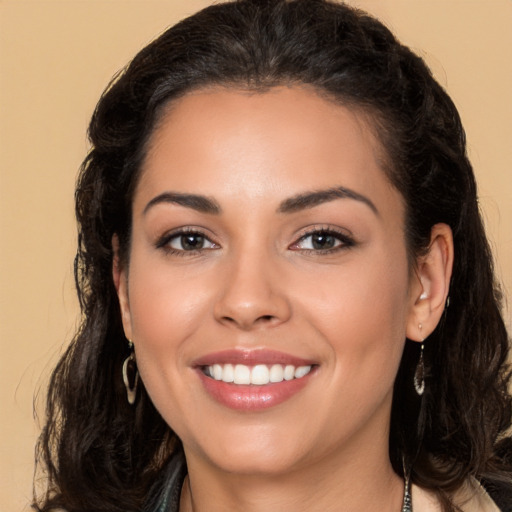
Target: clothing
point(165, 495)
point(471, 498)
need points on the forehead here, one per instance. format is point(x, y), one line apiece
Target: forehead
point(284, 140)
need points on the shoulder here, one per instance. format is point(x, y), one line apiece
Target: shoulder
point(471, 497)
point(501, 493)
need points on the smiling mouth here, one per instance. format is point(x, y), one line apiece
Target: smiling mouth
point(257, 375)
point(253, 380)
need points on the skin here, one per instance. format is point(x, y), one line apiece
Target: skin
point(258, 283)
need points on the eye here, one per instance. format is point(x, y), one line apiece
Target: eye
point(323, 240)
point(189, 242)
point(186, 241)
point(319, 241)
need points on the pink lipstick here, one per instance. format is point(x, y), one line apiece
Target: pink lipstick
point(253, 380)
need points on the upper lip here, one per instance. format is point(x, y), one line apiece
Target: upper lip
point(251, 358)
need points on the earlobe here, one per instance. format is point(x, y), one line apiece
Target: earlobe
point(121, 284)
point(433, 273)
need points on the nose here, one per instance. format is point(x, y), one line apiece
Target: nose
point(253, 294)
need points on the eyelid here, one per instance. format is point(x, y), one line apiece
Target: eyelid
point(345, 238)
point(164, 240)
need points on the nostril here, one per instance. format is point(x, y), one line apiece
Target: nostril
point(247, 323)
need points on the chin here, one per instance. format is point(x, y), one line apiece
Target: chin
point(259, 451)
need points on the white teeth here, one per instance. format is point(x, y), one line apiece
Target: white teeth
point(301, 371)
point(217, 372)
point(258, 375)
point(276, 373)
point(242, 374)
point(289, 372)
point(228, 373)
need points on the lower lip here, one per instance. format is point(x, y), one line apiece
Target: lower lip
point(251, 397)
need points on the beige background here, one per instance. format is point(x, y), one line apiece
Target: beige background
point(55, 59)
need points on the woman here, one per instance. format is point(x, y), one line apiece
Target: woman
point(288, 296)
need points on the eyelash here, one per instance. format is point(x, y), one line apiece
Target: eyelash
point(165, 241)
point(345, 241)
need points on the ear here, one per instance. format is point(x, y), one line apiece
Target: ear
point(431, 284)
point(120, 277)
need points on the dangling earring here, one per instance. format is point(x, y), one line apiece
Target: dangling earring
point(130, 375)
point(407, 500)
point(419, 374)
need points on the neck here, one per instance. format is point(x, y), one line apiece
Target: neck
point(360, 483)
point(347, 474)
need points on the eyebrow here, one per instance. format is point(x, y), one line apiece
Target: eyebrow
point(311, 199)
point(200, 203)
point(293, 204)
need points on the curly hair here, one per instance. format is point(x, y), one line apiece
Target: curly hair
point(101, 454)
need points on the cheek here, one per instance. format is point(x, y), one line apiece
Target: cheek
point(361, 312)
point(166, 308)
point(367, 294)
point(163, 300)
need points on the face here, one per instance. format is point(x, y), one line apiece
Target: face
point(268, 290)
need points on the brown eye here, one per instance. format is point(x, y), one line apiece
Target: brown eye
point(188, 242)
point(322, 240)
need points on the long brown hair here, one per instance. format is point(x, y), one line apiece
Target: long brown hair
point(101, 454)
